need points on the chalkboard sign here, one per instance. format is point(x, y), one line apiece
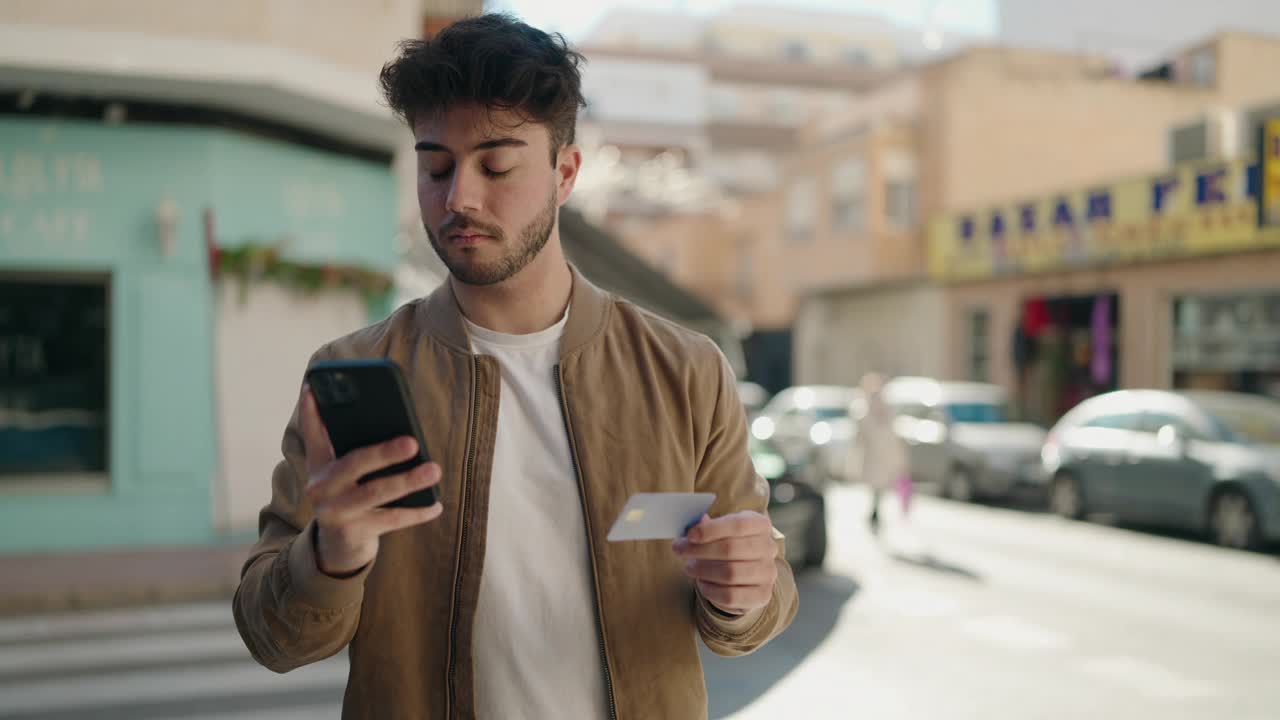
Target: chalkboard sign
point(53, 375)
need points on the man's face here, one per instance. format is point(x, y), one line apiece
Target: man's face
point(488, 190)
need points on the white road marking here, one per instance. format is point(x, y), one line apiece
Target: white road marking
point(1147, 678)
point(113, 651)
point(306, 712)
point(150, 686)
point(48, 627)
point(1014, 633)
point(912, 603)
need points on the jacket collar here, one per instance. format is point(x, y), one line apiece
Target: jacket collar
point(589, 305)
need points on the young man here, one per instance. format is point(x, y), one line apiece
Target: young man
point(545, 403)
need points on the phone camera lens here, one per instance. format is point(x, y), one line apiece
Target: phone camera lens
point(344, 390)
point(322, 388)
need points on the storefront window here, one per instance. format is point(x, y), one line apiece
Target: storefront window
point(1227, 342)
point(1064, 352)
point(53, 377)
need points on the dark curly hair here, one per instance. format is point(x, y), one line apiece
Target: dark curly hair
point(495, 61)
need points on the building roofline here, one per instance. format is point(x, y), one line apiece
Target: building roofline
point(1216, 38)
point(748, 70)
point(279, 84)
point(850, 290)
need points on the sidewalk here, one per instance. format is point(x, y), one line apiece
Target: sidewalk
point(52, 582)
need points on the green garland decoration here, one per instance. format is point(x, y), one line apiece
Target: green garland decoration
point(255, 263)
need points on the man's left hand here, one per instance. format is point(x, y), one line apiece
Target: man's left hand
point(732, 560)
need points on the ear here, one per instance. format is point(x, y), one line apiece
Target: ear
point(568, 162)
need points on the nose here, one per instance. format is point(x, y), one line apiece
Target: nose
point(465, 192)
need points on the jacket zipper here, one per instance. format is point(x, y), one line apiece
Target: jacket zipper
point(462, 543)
point(586, 519)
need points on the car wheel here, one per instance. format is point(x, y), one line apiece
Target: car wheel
point(816, 550)
point(1065, 497)
point(1233, 522)
point(958, 485)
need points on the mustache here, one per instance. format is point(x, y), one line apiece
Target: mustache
point(468, 225)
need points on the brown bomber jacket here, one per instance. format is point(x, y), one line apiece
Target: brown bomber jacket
point(649, 407)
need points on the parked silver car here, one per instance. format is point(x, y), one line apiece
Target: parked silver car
point(1200, 461)
point(799, 419)
point(959, 435)
point(753, 397)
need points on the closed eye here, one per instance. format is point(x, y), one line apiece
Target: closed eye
point(487, 171)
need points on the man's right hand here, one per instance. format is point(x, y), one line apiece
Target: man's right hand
point(349, 515)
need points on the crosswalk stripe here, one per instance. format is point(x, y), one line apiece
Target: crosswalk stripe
point(150, 686)
point(1014, 633)
point(305, 712)
point(107, 652)
point(1147, 678)
point(912, 603)
point(53, 627)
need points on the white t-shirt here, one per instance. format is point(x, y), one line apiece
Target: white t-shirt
point(537, 653)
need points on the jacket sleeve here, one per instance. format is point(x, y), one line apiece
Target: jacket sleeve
point(287, 611)
point(727, 470)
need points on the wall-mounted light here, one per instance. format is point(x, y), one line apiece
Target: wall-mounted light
point(167, 226)
point(115, 113)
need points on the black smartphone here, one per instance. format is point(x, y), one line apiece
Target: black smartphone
point(366, 402)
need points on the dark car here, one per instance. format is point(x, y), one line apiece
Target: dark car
point(796, 505)
point(1199, 461)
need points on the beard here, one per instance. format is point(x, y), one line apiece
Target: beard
point(466, 269)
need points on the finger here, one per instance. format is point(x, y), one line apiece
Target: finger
point(315, 438)
point(362, 499)
point(356, 464)
point(735, 598)
point(756, 547)
point(365, 460)
point(728, 572)
point(739, 524)
point(391, 519)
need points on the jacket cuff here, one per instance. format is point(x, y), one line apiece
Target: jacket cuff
point(727, 626)
point(313, 587)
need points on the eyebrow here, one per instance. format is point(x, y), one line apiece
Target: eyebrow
point(486, 145)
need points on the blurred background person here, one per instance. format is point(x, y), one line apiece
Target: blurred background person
point(877, 454)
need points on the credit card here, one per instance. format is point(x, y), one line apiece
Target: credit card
point(660, 516)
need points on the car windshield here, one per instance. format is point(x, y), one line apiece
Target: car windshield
point(977, 413)
point(830, 413)
point(1252, 420)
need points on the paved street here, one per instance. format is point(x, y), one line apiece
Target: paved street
point(992, 613)
point(976, 612)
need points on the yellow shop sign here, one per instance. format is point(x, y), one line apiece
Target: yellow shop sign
point(1192, 209)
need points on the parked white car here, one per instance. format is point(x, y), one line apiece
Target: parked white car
point(959, 435)
point(800, 419)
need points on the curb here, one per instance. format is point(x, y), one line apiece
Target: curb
point(81, 599)
point(71, 582)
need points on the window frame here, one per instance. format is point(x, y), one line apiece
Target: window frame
point(91, 481)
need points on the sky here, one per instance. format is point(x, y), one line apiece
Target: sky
point(575, 18)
